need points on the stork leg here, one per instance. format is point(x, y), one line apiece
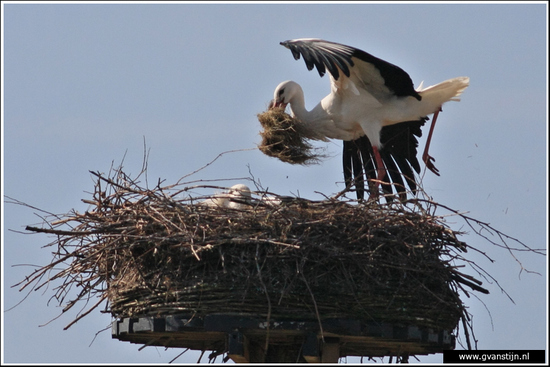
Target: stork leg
point(380, 173)
point(428, 159)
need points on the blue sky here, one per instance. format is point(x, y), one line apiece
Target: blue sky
point(84, 84)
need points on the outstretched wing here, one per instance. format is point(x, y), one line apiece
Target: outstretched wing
point(399, 154)
point(378, 77)
point(382, 80)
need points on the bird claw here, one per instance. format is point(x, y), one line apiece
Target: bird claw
point(428, 160)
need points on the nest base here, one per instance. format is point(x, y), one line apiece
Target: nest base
point(244, 337)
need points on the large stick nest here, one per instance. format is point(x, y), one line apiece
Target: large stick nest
point(159, 251)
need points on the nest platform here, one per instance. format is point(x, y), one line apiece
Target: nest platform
point(299, 275)
point(243, 337)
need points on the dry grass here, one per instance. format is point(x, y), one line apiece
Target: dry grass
point(283, 137)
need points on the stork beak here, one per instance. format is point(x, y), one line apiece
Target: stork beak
point(277, 104)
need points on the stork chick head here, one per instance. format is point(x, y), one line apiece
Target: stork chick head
point(240, 191)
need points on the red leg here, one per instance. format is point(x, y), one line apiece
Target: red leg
point(428, 160)
point(380, 173)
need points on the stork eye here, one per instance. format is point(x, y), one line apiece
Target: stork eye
point(281, 92)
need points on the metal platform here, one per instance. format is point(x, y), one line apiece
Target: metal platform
point(243, 337)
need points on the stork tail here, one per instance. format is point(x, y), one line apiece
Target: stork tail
point(434, 96)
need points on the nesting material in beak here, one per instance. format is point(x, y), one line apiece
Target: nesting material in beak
point(283, 137)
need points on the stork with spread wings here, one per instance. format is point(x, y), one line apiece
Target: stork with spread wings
point(373, 107)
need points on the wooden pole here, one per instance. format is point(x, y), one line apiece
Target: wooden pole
point(331, 350)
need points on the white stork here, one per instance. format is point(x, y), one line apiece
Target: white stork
point(237, 198)
point(373, 107)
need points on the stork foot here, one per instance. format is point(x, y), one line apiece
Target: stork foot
point(428, 160)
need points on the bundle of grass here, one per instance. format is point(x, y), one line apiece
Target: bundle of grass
point(149, 253)
point(285, 138)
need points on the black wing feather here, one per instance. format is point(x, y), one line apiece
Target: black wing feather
point(334, 56)
point(369, 164)
point(406, 171)
point(395, 78)
point(401, 140)
point(398, 152)
point(395, 175)
point(347, 161)
point(353, 168)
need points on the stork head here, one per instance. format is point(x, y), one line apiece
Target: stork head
point(239, 196)
point(240, 191)
point(284, 93)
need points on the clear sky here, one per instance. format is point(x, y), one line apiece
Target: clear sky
point(84, 84)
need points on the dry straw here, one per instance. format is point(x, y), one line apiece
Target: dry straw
point(284, 137)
